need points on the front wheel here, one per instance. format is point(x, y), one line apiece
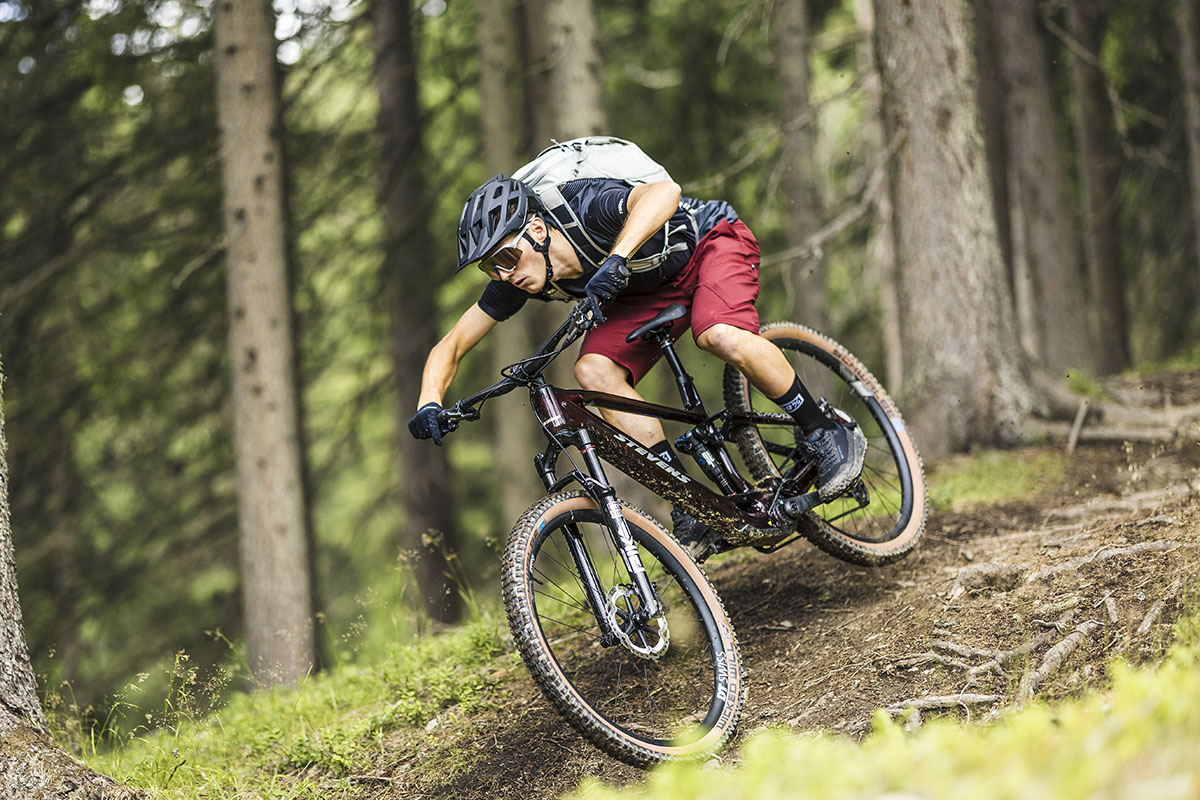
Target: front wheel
point(883, 516)
point(663, 688)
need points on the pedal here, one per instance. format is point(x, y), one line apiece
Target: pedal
point(795, 506)
point(858, 490)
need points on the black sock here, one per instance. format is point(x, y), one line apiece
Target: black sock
point(803, 408)
point(664, 451)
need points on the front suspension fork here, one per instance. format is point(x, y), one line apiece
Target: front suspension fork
point(618, 528)
point(604, 495)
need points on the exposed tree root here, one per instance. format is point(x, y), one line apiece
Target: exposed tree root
point(1101, 556)
point(943, 701)
point(33, 768)
point(1157, 608)
point(995, 660)
point(1054, 659)
point(1134, 502)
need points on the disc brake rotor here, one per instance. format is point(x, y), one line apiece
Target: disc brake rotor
point(647, 639)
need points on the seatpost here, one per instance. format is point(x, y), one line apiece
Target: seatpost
point(687, 387)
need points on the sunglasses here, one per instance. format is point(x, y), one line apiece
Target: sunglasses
point(505, 259)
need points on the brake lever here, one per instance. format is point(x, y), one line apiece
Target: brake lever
point(458, 414)
point(582, 317)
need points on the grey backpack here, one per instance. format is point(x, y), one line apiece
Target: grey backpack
point(595, 157)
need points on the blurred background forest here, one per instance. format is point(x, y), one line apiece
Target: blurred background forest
point(114, 315)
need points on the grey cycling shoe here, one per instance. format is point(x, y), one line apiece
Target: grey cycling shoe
point(699, 540)
point(839, 453)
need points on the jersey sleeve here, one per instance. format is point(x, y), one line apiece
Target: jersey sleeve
point(501, 300)
point(604, 206)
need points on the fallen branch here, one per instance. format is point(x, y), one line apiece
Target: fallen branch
point(1073, 437)
point(1053, 660)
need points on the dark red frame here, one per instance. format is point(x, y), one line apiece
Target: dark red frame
point(743, 516)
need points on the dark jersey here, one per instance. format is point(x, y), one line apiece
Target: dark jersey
point(600, 205)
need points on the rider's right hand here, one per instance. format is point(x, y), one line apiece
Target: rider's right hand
point(428, 423)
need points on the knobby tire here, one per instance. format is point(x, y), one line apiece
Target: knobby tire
point(892, 522)
point(683, 703)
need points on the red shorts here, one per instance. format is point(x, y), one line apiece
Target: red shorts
point(719, 284)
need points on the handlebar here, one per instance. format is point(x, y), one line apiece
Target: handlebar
point(578, 322)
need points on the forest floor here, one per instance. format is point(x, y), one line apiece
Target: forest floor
point(1104, 556)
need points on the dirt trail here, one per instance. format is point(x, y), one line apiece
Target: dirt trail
point(1082, 571)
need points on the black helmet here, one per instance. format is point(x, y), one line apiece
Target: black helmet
point(493, 212)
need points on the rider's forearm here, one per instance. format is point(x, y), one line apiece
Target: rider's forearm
point(440, 368)
point(650, 206)
point(442, 364)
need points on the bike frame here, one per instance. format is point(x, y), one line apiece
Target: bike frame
point(761, 515)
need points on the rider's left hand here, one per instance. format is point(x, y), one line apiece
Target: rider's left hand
point(608, 282)
point(427, 423)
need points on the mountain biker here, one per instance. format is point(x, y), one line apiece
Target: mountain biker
point(703, 256)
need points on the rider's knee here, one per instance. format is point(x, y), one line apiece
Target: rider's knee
point(598, 373)
point(724, 341)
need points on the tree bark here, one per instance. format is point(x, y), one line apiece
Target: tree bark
point(516, 433)
point(31, 767)
point(881, 246)
point(539, 122)
point(276, 584)
point(1189, 57)
point(430, 537)
point(1044, 234)
point(963, 377)
point(576, 80)
point(1099, 162)
point(802, 195)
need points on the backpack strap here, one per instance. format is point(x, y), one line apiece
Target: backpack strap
point(594, 254)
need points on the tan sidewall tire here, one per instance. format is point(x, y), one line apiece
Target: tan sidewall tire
point(823, 535)
point(527, 633)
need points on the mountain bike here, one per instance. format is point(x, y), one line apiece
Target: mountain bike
point(615, 621)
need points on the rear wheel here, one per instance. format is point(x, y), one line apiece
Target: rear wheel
point(883, 516)
point(668, 687)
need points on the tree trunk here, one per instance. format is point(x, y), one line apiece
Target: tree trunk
point(430, 537)
point(271, 505)
point(576, 80)
point(1189, 57)
point(802, 195)
point(881, 246)
point(31, 767)
point(565, 100)
point(1099, 178)
point(1044, 235)
point(535, 64)
point(516, 434)
point(963, 382)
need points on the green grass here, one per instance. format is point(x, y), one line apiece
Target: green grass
point(311, 741)
point(992, 476)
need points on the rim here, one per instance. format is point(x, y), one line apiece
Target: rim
point(881, 506)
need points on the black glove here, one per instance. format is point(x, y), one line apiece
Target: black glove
point(427, 423)
point(608, 282)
